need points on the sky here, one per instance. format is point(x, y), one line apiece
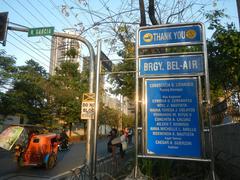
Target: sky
point(64, 14)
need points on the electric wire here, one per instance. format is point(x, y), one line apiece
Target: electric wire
point(42, 15)
point(55, 6)
point(28, 54)
point(90, 13)
point(95, 13)
point(78, 20)
point(20, 15)
point(30, 48)
point(31, 45)
point(117, 18)
point(40, 2)
point(17, 12)
point(31, 13)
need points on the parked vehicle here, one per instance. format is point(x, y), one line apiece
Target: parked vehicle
point(41, 150)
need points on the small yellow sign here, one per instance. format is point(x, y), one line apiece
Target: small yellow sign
point(88, 106)
point(89, 97)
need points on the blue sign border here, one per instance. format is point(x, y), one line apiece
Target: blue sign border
point(171, 65)
point(170, 35)
point(163, 138)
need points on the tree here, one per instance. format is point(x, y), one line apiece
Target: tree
point(224, 56)
point(7, 70)
point(65, 93)
point(26, 96)
point(128, 121)
point(124, 83)
point(72, 53)
point(108, 116)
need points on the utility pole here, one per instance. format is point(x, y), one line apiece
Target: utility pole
point(238, 9)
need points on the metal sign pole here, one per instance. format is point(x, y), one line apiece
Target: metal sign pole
point(136, 113)
point(89, 149)
point(208, 103)
point(99, 44)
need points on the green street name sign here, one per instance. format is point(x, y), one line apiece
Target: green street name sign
point(43, 31)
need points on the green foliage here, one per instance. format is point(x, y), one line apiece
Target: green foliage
point(214, 18)
point(66, 88)
point(112, 117)
point(128, 121)
point(72, 53)
point(26, 95)
point(7, 70)
point(43, 99)
point(224, 59)
point(108, 116)
point(124, 83)
point(156, 168)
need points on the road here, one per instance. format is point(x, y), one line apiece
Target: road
point(66, 161)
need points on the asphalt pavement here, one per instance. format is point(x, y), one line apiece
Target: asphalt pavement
point(66, 161)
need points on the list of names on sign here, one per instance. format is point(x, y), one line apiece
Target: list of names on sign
point(173, 117)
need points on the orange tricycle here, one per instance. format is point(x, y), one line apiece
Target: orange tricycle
point(41, 150)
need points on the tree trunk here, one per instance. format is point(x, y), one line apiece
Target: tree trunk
point(21, 119)
point(151, 12)
point(70, 129)
point(142, 13)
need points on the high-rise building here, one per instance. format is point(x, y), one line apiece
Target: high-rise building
point(60, 47)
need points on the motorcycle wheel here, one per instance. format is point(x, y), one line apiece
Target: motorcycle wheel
point(51, 161)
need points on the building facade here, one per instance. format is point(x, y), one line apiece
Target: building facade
point(59, 48)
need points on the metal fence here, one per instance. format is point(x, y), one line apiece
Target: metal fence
point(225, 112)
point(107, 168)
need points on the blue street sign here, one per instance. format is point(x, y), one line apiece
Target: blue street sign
point(171, 65)
point(173, 118)
point(170, 35)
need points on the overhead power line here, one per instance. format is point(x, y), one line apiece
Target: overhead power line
point(78, 20)
point(41, 14)
point(60, 20)
point(55, 6)
point(31, 13)
point(30, 48)
point(28, 54)
point(18, 13)
point(31, 45)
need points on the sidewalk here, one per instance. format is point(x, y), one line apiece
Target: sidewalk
point(22, 177)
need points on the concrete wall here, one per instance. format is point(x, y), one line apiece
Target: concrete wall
point(227, 138)
point(226, 141)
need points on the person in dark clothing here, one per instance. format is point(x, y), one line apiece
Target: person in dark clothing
point(113, 143)
point(64, 139)
point(112, 135)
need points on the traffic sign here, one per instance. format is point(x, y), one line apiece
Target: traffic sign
point(88, 106)
point(172, 65)
point(172, 117)
point(89, 97)
point(88, 109)
point(42, 31)
point(172, 35)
